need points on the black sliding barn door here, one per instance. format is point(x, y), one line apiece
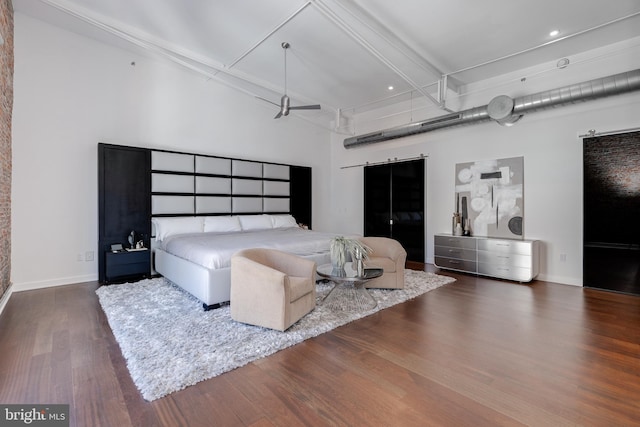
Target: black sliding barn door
point(394, 204)
point(611, 212)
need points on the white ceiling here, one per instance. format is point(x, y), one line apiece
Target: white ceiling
point(345, 53)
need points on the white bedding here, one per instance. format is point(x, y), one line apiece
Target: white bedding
point(214, 250)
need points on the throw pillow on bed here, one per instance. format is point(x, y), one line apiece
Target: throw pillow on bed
point(166, 227)
point(221, 224)
point(283, 221)
point(255, 222)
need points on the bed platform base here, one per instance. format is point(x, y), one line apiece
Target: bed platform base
point(214, 306)
point(211, 287)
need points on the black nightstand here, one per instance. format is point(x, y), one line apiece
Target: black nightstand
point(121, 266)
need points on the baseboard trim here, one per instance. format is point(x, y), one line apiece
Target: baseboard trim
point(30, 286)
point(5, 298)
point(561, 280)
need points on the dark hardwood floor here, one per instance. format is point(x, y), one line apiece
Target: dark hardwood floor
point(477, 352)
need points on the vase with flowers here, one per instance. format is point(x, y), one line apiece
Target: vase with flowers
point(341, 247)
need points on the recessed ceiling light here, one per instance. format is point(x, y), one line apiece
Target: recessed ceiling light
point(554, 33)
point(390, 88)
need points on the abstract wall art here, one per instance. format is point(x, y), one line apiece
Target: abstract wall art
point(490, 197)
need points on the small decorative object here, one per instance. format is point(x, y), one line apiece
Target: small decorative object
point(467, 228)
point(358, 260)
point(455, 221)
point(338, 252)
point(140, 244)
point(458, 231)
point(132, 239)
point(341, 246)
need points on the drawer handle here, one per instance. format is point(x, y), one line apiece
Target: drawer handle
point(503, 256)
point(503, 269)
point(503, 244)
point(453, 262)
point(454, 251)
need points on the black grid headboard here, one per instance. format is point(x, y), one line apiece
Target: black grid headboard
point(192, 184)
point(136, 184)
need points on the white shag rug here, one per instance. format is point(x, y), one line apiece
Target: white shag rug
point(170, 342)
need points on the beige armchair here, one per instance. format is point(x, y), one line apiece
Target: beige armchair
point(391, 257)
point(270, 288)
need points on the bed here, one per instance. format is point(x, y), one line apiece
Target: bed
point(195, 252)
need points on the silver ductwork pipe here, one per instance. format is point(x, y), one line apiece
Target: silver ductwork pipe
point(507, 111)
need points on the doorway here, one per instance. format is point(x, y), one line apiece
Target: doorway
point(394, 204)
point(611, 242)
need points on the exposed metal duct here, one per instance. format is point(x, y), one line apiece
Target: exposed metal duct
point(507, 111)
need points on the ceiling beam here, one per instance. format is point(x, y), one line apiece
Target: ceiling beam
point(334, 17)
point(360, 14)
point(559, 39)
point(268, 35)
point(183, 57)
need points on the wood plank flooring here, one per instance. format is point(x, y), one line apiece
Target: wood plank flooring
point(477, 352)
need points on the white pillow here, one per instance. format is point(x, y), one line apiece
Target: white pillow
point(166, 227)
point(283, 221)
point(221, 224)
point(255, 222)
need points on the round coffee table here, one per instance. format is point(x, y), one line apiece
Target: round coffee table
point(349, 292)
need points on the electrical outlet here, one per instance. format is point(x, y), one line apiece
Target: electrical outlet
point(79, 257)
point(563, 257)
point(88, 256)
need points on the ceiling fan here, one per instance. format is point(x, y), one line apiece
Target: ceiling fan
point(285, 102)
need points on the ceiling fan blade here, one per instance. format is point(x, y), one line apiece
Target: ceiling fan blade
point(278, 115)
point(306, 107)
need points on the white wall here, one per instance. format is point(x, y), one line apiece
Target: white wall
point(547, 140)
point(72, 92)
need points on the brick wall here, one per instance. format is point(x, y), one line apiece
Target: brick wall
point(6, 108)
point(612, 189)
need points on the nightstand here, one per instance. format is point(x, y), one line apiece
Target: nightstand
point(125, 265)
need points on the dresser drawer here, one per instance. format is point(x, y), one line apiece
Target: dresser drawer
point(499, 258)
point(455, 242)
point(455, 264)
point(505, 246)
point(459, 253)
point(510, 272)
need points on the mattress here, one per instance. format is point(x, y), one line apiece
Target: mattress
point(214, 250)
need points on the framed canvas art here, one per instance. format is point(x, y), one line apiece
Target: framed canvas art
point(490, 197)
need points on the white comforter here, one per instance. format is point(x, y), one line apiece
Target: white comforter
point(214, 250)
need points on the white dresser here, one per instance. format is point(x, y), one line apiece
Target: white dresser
point(503, 258)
